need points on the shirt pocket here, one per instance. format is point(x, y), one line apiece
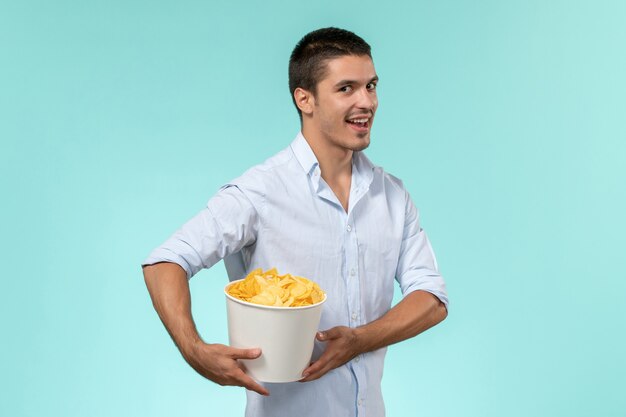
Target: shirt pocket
point(379, 247)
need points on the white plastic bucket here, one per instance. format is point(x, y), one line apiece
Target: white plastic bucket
point(285, 336)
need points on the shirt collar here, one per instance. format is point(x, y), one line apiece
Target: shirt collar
point(362, 170)
point(304, 154)
point(362, 167)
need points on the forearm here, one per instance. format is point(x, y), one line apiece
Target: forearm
point(416, 313)
point(169, 289)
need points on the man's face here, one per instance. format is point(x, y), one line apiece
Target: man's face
point(346, 101)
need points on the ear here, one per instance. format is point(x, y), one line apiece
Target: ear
point(304, 100)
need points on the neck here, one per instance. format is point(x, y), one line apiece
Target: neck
point(335, 162)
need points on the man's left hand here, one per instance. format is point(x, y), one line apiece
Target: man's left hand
point(341, 347)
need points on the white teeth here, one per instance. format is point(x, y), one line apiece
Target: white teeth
point(358, 120)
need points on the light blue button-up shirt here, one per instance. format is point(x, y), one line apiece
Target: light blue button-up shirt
point(282, 214)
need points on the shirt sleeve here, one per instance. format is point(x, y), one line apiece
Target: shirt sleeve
point(417, 266)
point(227, 224)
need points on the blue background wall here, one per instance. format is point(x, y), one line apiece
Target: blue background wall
point(119, 120)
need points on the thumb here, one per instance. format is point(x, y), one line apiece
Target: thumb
point(245, 353)
point(328, 334)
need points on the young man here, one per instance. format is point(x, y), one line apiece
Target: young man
point(322, 210)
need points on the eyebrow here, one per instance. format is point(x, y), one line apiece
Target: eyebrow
point(343, 82)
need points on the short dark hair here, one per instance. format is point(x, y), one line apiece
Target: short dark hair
point(307, 64)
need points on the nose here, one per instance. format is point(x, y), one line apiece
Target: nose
point(367, 99)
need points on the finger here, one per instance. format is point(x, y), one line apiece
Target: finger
point(329, 334)
point(315, 366)
point(252, 385)
point(318, 373)
point(236, 353)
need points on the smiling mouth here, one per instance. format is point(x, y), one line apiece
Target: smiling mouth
point(359, 123)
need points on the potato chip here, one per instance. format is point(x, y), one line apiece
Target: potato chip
point(271, 289)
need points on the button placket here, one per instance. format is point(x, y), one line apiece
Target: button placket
point(353, 284)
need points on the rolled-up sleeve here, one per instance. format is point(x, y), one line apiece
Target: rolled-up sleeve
point(227, 224)
point(417, 266)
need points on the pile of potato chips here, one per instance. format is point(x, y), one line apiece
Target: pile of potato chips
point(270, 289)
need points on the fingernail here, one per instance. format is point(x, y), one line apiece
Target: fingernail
point(304, 375)
point(321, 335)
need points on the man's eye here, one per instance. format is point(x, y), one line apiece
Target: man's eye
point(345, 89)
point(371, 86)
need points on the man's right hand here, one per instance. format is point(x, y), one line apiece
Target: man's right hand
point(219, 364)
point(169, 290)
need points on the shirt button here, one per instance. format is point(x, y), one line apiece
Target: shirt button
point(354, 316)
point(352, 272)
point(349, 228)
point(357, 359)
point(359, 402)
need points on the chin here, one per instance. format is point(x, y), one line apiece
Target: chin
point(360, 147)
point(361, 144)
